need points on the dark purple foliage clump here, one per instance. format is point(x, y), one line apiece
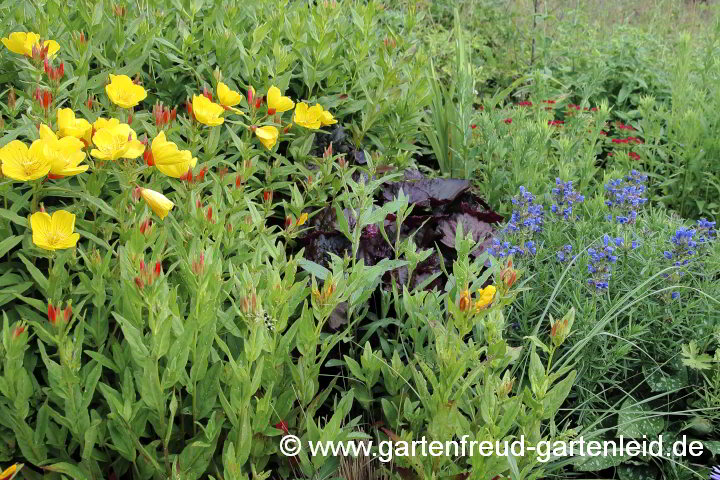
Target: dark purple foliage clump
point(439, 204)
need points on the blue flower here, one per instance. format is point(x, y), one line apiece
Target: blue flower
point(564, 197)
point(675, 296)
point(626, 195)
point(601, 261)
point(715, 473)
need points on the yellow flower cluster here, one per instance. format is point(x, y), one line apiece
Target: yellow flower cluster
point(62, 153)
point(210, 113)
point(59, 157)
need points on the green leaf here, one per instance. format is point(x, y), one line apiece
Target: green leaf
point(637, 419)
point(557, 395)
point(8, 244)
point(37, 275)
point(74, 471)
point(313, 268)
point(13, 217)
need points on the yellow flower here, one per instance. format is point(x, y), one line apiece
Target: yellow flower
point(303, 218)
point(326, 118)
point(158, 202)
point(123, 92)
point(119, 141)
point(69, 126)
point(268, 136)
point(9, 473)
point(228, 98)
point(64, 155)
point(277, 103)
point(101, 123)
point(54, 233)
point(308, 117)
point(170, 160)
point(22, 43)
point(485, 297)
point(22, 163)
point(207, 112)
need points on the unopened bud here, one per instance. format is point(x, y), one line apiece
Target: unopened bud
point(18, 331)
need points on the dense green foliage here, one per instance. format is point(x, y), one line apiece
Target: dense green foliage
point(286, 292)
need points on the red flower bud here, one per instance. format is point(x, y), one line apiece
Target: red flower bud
point(139, 282)
point(288, 221)
point(207, 93)
point(283, 425)
point(148, 157)
point(158, 268)
point(271, 111)
point(250, 96)
point(258, 102)
point(142, 265)
point(209, 214)
point(145, 226)
point(198, 265)
point(52, 314)
point(67, 313)
point(201, 174)
point(238, 181)
point(18, 331)
point(267, 195)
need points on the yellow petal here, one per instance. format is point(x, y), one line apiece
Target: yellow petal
point(268, 135)
point(276, 101)
point(105, 122)
point(228, 97)
point(53, 47)
point(206, 111)
point(41, 223)
point(63, 222)
point(158, 202)
point(9, 472)
point(134, 150)
point(46, 133)
point(15, 42)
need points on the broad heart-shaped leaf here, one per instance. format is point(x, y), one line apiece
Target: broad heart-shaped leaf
point(660, 381)
point(637, 472)
point(426, 192)
point(636, 419)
